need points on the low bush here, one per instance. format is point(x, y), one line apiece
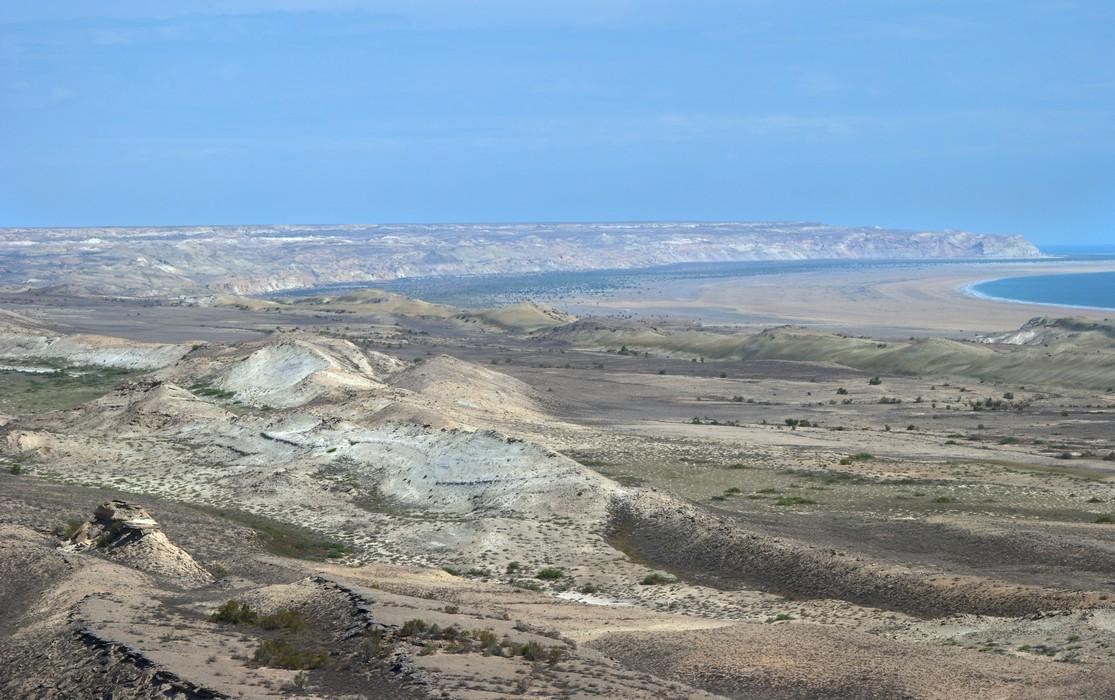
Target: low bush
point(413, 627)
point(532, 651)
point(71, 527)
point(281, 654)
point(794, 501)
point(283, 619)
point(234, 612)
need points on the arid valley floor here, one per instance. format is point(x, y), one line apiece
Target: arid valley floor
point(366, 495)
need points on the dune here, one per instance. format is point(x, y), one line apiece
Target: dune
point(1077, 353)
point(410, 414)
point(146, 406)
point(11, 322)
point(463, 387)
point(524, 317)
point(360, 301)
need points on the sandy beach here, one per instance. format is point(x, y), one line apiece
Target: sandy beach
point(921, 298)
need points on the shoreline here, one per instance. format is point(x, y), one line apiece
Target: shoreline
point(898, 301)
point(970, 290)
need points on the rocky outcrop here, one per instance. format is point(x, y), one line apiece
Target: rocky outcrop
point(127, 533)
point(95, 350)
point(263, 259)
point(1046, 331)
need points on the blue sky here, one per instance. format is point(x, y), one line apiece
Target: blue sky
point(987, 116)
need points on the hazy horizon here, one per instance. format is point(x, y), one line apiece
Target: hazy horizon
point(1081, 247)
point(995, 118)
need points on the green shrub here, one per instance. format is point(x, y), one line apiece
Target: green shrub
point(283, 619)
point(549, 573)
point(71, 527)
point(413, 627)
point(875, 381)
point(373, 646)
point(1103, 519)
point(234, 612)
point(794, 501)
point(280, 654)
point(656, 579)
point(301, 681)
point(486, 638)
point(532, 651)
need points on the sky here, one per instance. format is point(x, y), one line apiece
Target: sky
point(995, 117)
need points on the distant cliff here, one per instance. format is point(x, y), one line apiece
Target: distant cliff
point(255, 259)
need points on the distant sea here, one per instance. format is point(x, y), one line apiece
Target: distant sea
point(1091, 290)
point(482, 291)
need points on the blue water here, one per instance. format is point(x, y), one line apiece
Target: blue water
point(497, 289)
point(1084, 289)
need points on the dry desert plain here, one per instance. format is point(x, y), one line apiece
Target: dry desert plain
point(362, 495)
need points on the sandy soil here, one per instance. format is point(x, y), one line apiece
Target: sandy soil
point(674, 527)
point(913, 299)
